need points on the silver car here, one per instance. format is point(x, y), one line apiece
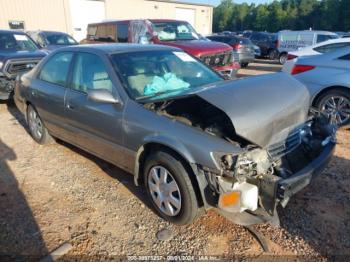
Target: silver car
point(193, 140)
point(327, 77)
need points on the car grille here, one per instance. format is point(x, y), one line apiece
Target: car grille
point(15, 67)
point(220, 59)
point(282, 148)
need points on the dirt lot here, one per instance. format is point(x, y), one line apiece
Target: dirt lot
point(51, 195)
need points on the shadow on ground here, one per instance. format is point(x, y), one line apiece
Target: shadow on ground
point(20, 235)
point(320, 214)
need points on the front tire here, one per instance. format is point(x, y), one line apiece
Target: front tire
point(36, 127)
point(169, 188)
point(336, 103)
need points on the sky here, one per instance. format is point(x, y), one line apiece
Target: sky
point(216, 2)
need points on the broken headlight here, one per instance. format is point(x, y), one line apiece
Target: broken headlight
point(225, 161)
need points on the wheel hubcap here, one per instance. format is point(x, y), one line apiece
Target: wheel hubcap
point(35, 124)
point(164, 190)
point(338, 107)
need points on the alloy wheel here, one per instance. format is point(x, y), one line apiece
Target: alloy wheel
point(338, 107)
point(164, 190)
point(35, 125)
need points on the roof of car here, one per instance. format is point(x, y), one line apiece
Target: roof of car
point(118, 48)
point(112, 21)
point(13, 32)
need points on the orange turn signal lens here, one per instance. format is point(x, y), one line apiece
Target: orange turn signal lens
point(230, 199)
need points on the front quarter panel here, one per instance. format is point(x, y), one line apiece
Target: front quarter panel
point(142, 126)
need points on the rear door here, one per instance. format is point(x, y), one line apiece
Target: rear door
point(48, 91)
point(98, 126)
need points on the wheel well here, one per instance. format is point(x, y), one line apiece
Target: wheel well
point(283, 53)
point(326, 90)
point(151, 147)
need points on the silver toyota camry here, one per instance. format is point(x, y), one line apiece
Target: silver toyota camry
point(193, 140)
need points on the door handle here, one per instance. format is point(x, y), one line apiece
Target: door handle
point(34, 93)
point(69, 106)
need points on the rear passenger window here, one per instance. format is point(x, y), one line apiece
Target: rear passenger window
point(90, 73)
point(330, 47)
point(122, 33)
point(346, 57)
point(106, 33)
point(322, 38)
point(56, 69)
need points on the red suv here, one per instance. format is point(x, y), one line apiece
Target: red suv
point(166, 32)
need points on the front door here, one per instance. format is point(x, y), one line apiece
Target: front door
point(98, 126)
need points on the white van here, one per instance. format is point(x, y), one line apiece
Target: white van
point(289, 41)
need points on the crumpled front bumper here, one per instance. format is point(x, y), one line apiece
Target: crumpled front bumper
point(283, 190)
point(6, 88)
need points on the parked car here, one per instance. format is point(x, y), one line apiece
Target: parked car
point(321, 48)
point(267, 43)
point(193, 140)
point(51, 40)
point(166, 32)
point(18, 54)
point(242, 47)
point(289, 41)
point(327, 78)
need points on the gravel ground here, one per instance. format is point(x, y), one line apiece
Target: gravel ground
point(56, 194)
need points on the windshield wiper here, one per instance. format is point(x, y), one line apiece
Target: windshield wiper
point(152, 95)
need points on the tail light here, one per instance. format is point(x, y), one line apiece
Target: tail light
point(277, 43)
point(236, 46)
point(291, 57)
point(301, 69)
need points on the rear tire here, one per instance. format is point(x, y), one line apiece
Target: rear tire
point(36, 127)
point(336, 103)
point(169, 188)
point(273, 54)
point(283, 59)
point(244, 65)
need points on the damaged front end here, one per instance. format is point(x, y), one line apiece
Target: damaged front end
point(253, 183)
point(7, 86)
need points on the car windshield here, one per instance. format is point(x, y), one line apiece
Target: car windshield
point(59, 39)
point(171, 31)
point(16, 42)
point(150, 74)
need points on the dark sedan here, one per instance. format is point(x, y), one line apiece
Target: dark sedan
point(51, 40)
point(243, 48)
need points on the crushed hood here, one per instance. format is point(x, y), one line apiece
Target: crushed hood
point(263, 109)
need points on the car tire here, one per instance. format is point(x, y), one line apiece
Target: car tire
point(336, 103)
point(37, 128)
point(244, 65)
point(174, 198)
point(283, 59)
point(273, 54)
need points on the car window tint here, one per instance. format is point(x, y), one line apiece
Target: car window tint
point(89, 73)
point(345, 57)
point(330, 47)
point(122, 33)
point(322, 38)
point(55, 70)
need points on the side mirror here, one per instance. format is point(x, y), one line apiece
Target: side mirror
point(102, 96)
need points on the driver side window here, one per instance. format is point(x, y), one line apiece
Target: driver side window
point(90, 73)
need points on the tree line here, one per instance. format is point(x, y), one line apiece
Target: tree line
point(330, 15)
